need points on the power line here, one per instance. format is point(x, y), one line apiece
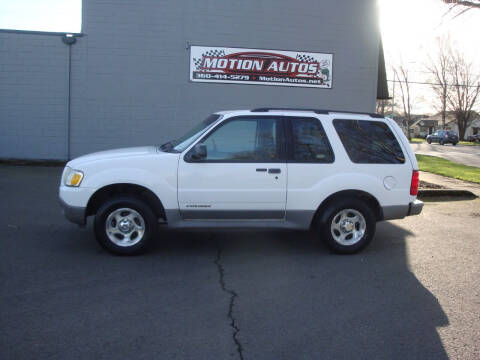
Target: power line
point(429, 83)
point(430, 72)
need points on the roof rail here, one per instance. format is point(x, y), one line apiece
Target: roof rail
point(318, 111)
point(267, 109)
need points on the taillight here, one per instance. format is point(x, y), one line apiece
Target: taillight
point(414, 183)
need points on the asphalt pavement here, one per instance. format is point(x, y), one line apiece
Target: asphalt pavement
point(413, 294)
point(463, 154)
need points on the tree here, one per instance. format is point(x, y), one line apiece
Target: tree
point(463, 97)
point(401, 73)
point(439, 67)
point(465, 3)
point(462, 5)
point(382, 105)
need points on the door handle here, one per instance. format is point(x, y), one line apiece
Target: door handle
point(261, 169)
point(274, 171)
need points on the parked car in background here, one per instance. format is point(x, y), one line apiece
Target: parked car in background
point(443, 137)
point(474, 138)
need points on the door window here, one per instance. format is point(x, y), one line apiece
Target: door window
point(246, 139)
point(309, 142)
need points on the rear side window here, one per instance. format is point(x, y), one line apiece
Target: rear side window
point(309, 142)
point(369, 142)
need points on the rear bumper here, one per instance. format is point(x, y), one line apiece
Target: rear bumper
point(400, 211)
point(74, 214)
point(415, 208)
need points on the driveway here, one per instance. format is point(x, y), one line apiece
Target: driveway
point(413, 294)
point(463, 154)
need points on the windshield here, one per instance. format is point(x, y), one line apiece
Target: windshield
point(180, 144)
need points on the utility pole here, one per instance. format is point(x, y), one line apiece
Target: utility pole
point(69, 40)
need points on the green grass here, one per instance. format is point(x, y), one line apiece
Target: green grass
point(448, 168)
point(469, 143)
point(416, 140)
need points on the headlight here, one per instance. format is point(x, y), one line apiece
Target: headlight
point(72, 177)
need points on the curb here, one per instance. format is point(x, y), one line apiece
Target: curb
point(431, 193)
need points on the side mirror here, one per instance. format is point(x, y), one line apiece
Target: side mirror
point(199, 151)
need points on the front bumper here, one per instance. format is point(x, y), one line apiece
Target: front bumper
point(415, 207)
point(75, 214)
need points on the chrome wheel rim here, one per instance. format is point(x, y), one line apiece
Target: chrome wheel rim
point(125, 227)
point(348, 227)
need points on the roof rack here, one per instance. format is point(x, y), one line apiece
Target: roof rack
point(318, 111)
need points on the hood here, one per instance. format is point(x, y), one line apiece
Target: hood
point(112, 154)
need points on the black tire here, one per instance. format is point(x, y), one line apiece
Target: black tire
point(454, 144)
point(429, 141)
point(331, 214)
point(442, 142)
point(142, 218)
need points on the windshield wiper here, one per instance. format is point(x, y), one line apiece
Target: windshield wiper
point(167, 147)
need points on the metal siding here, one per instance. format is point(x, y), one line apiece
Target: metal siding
point(130, 69)
point(33, 86)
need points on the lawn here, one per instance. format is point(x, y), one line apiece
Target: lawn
point(416, 140)
point(448, 168)
point(469, 143)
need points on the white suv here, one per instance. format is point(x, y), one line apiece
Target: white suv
point(267, 167)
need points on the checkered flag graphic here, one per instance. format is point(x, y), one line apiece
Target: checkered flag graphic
point(213, 53)
point(306, 58)
point(309, 58)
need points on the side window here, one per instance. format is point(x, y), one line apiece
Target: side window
point(246, 139)
point(369, 142)
point(309, 141)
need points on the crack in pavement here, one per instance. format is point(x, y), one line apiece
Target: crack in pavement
point(233, 295)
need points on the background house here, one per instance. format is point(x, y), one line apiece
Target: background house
point(424, 126)
point(472, 129)
point(414, 129)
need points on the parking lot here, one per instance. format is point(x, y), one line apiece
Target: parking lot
point(413, 294)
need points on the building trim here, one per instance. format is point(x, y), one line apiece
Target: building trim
point(34, 32)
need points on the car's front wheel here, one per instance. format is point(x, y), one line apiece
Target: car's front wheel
point(349, 226)
point(429, 141)
point(124, 225)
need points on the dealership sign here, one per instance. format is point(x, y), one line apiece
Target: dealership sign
point(264, 67)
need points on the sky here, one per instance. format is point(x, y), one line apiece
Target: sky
point(41, 15)
point(409, 30)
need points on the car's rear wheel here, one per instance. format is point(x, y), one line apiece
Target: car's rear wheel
point(429, 141)
point(454, 143)
point(349, 226)
point(124, 225)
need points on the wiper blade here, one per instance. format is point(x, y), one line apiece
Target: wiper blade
point(168, 146)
